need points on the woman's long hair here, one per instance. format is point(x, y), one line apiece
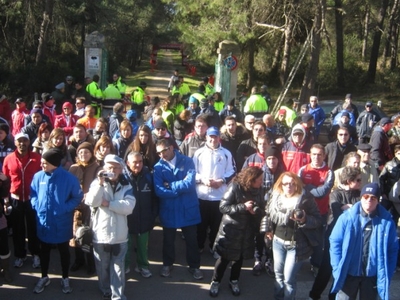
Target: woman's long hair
point(247, 176)
point(57, 132)
point(147, 150)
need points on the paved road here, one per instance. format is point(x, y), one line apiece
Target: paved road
point(179, 286)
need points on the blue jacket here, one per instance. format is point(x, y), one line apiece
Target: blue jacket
point(319, 118)
point(176, 188)
point(346, 248)
point(54, 197)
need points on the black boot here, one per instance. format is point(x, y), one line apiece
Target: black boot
point(5, 264)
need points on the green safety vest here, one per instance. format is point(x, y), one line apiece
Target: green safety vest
point(209, 90)
point(138, 96)
point(94, 91)
point(219, 105)
point(120, 85)
point(111, 92)
point(256, 103)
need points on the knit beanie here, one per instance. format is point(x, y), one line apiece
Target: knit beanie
point(53, 156)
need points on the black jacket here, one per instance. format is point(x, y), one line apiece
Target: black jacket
point(238, 227)
point(335, 154)
point(389, 176)
point(146, 209)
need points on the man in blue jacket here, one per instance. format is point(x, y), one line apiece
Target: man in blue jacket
point(363, 249)
point(318, 114)
point(54, 195)
point(175, 185)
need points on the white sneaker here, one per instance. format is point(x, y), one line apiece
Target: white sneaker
point(36, 262)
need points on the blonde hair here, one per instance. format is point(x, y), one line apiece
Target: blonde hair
point(299, 184)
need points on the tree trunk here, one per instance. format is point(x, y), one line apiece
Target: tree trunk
point(366, 33)
point(393, 50)
point(44, 30)
point(250, 67)
point(393, 34)
point(310, 77)
point(376, 43)
point(275, 62)
point(284, 72)
point(339, 44)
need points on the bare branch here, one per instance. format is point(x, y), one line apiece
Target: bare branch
point(280, 28)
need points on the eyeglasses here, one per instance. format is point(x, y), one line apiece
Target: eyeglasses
point(343, 134)
point(162, 129)
point(372, 197)
point(162, 151)
point(288, 183)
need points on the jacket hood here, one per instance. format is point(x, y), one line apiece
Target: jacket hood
point(297, 127)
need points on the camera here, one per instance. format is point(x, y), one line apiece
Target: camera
point(107, 175)
point(256, 208)
point(8, 210)
point(298, 213)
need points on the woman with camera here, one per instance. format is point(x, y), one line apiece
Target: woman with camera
point(242, 206)
point(290, 222)
point(85, 169)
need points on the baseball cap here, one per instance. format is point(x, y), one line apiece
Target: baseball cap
point(213, 131)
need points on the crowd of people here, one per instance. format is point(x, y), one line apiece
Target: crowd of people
point(237, 181)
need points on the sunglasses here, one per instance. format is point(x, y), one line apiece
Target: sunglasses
point(162, 151)
point(366, 197)
point(288, 183)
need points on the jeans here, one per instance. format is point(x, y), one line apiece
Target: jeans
point(286, 269)
point(110, 268)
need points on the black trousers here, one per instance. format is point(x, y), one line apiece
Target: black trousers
point(352, 285)
point(22, 212)
point(220, 266)
point(210, 218)
point(4, 249)
point(192, 248)
point(63, 249)
point(324, 274)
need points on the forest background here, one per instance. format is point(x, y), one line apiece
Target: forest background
point(350, 46)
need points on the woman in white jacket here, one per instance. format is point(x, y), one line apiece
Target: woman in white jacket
point(111, 200)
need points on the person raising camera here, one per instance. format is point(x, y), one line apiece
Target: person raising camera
point(291, 222)
point(111, 199)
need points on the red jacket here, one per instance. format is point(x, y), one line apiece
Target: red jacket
point(51, 113)
point(5, 109)
point(18, 120)
point(295, 157)
point(21, 170)
point(319, 182)
point(61, 122)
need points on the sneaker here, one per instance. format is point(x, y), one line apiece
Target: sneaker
point(197, 273)
point(19, 262)
point(166, 271)
point(214, 288)
point(42, 283)
point(144, 272)
point(66, 288)
point(269, 268)
point(36, 262)
point(107, 296)
point(234, 285)
point(257, 268)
